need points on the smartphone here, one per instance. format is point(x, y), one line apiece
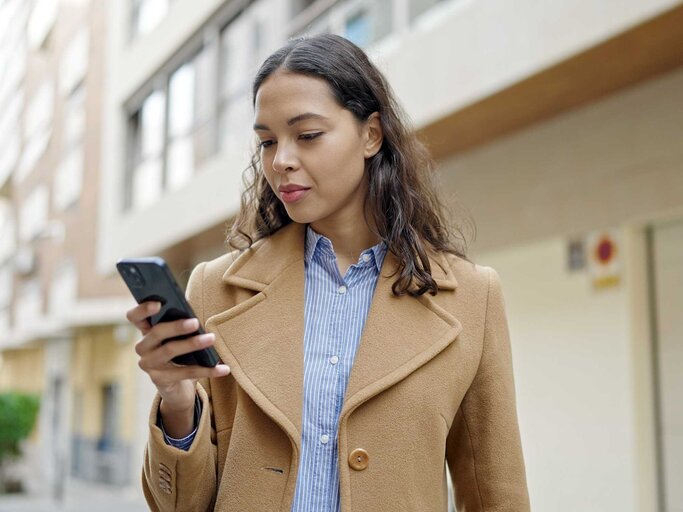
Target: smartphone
point(150, 279)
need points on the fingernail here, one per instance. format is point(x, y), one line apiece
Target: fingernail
point(209, 336)
point(190, 323)
point(222, 369)
point(155, 306)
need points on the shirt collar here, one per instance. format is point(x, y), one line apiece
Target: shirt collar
point(317, 243)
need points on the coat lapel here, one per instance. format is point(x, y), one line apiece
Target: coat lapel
point(261, 339)
point(400, 335)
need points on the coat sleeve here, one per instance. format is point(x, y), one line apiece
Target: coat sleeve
point(483, 448)
point(174, 479)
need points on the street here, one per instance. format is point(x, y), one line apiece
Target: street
point(79, 497)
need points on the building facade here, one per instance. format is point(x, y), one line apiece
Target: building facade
point(556, 126)
point(62, 333)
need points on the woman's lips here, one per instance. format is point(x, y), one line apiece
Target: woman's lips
point(294, 195)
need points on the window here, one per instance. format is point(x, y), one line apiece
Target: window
point(369, 23)
point(148, 145)
point(111, 414)
point(6, 284)
point(64, 286)
point(74, 62)
point(33, 214)
point(10, 137)
point(7, 230)
point(68, 180)
point(358, 28)
point(181, 117)
point(239, 62)
point(147, 14)
point(37, 128)
point(29, 306)
point(41, 21)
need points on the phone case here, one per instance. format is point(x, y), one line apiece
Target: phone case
point(151, 279)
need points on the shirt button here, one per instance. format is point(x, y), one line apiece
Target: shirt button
point(334, 359)
point(342, 289)
point(366, 258)
point(324, 438)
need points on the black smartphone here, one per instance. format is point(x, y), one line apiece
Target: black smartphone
point(150, 279)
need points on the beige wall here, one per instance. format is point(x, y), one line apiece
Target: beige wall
point(582, 374)
point(615, 161)
point(97, 359)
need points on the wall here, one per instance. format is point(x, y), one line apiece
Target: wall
point(583, 387)
point(618, 160)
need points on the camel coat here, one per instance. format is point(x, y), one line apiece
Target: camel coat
point(431, 384)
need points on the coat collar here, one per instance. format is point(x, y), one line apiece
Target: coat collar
point(261, 339)
point(257, 267)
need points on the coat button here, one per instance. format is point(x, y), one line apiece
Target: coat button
point(358, 459)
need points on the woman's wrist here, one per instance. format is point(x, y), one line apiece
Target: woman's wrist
point(177, 423)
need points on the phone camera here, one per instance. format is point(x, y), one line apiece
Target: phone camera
point(135, 278)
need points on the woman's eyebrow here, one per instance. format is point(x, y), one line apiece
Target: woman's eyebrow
point(294, 120)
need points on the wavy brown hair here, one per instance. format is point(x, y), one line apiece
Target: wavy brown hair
point(402, 194)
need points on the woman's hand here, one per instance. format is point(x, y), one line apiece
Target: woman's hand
point(175, 383)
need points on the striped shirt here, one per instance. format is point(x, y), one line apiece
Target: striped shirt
point(335, 311)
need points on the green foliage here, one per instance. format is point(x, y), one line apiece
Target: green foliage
point(18, 412)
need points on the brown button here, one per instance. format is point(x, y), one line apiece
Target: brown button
point(359, 459)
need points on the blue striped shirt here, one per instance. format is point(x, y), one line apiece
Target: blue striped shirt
point(335, 311)
point(336, 307)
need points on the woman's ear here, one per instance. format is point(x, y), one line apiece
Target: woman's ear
point(373, 135)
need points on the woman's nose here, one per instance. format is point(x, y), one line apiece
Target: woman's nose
point(285, 160)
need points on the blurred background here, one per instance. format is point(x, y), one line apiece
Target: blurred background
point(558, 126)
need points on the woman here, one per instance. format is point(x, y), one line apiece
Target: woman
point(363, 351)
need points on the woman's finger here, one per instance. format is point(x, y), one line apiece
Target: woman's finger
point(163, 331)
point(172, 374)
point(139, 315)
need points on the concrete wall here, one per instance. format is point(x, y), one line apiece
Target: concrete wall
point(615, 161)
point(583, 379)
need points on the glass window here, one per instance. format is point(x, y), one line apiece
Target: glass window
point(7, 230)
point(370, 23)
point(37, 128)
point(358, 28)
point(29, 305)
point(64, 286)
point(74, 119)
point(6, 284)
point(148, 144)
point(181, 113)
point(41, 21)
point(74, 62)
point(238, 65)
point(10, 137)
point(33, 213)
point(68, 181)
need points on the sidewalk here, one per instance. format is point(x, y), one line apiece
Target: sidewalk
point(80, 496)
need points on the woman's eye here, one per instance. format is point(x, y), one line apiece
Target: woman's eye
point(310, 136)
point(265, 143)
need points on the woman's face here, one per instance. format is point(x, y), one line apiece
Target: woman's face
point(313, 151)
